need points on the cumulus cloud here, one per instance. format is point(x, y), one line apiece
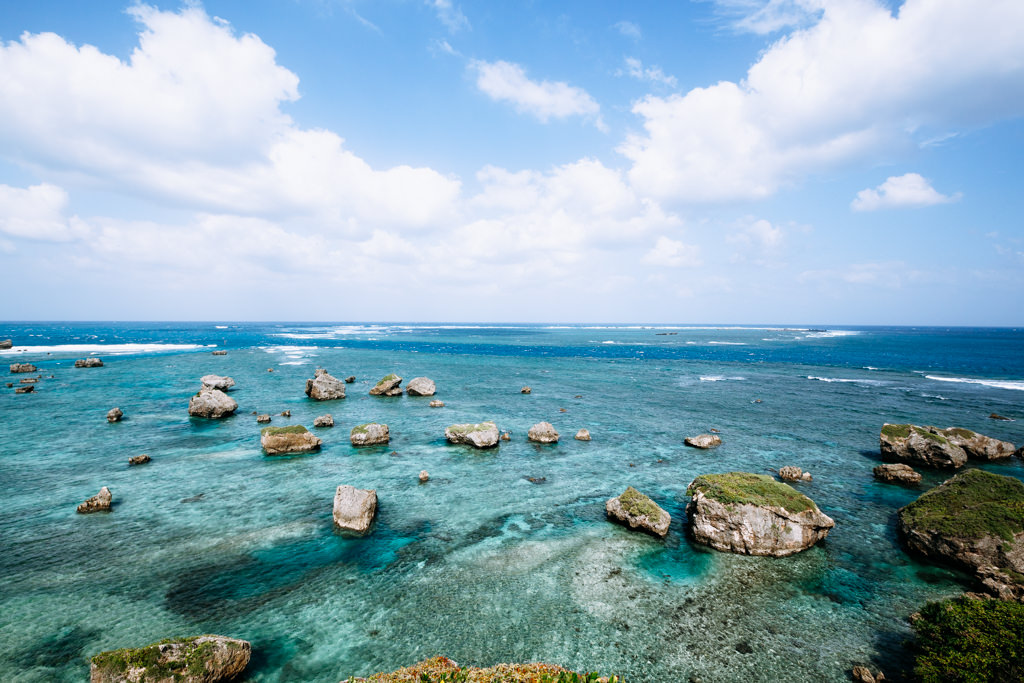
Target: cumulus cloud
point(653, 74)
point(544, 100)
point(37, 212)
point(861, 80)
point(908, 190)
point(672, 253)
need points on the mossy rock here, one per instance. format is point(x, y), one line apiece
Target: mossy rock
point(442, 669)
point(293, 429)
point(971, 505)
point(204, 658)
point(387, 378)
point(896, 431)
point(636, 503)
point(744, 488)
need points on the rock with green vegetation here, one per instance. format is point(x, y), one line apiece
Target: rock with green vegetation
point(974, 521)
point(704, 441)
point(480, 435)
point(387, 386)
point(217, 382)
point(199, 659)
point(978, 446)
point(284, 440)
point(637, 511)
point(370, 434)
point(897, 473)
point(211, 404)
point(98, 503)
point(438, 669)
point(324, 387)
point(920, 445)
point(354, 508)
point(969, 640)
point(543, 432)
point(421, 386)
point(23, 367)
point(753, 514)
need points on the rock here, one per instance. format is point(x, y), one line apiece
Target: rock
point(26, 389)
point(324, 421)
point(637, 511)
point(997, 416)
point(262, 419)
point(978, 446)
point(89, 363)
point(199, 659)
point(897, 473)
point(543, 432)
point(974, 521)
point(369, 434)
point(282, 440)
point(790, 473)
point(420, 386)
point(563, 410)
point(23, 367)
point(862, 674)
point(139, 459)
point(921, 445)
point(703, 441)
point(211, 403)
point(6, 343)
point(525, 390)
point(10, 384)
point(436, 404)
point(444, 669)
point(424, 476)
point(505, 436)
point(270, 369)
point(324, 387)
point(387, 386)
point(28, 380)
point(350, 379)
point(286, 413)
point(536, 480)
point(753, 514)
point(480, 435)
point(217, 382)
point(219, 352)
point(98, 503)
point(806, 476)
point(583, 435)
point(114, 415)
point(354, 508)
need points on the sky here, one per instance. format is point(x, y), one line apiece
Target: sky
point(813, 162)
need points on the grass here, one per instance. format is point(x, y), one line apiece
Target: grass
point(959, 431)
point(972, 504)
point(389, 378)
point(463, 429)
point(444, 670)
point(737, 488)
point(896, 431)
point(362, 429)
point(639, 505)
point(928, 435)
point(294, 429)
point(192, 662)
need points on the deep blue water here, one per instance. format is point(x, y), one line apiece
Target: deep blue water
point(480, 564)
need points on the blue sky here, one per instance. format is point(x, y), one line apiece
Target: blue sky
point(721, 161)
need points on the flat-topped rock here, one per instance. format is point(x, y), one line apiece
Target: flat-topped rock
point(480, 435)
point(284, 440)
point(753, 514)
point(369, 434)
point(98, 503)
point(324, 387)
point(704, 441)
point(139, 459)
point(23, 367)
point(354, 508)
point(114, 415)
point(263, 418)
point(198, 659)
point(25, 389)
point(219, 382)
point(543, 432)
point(583, 435)
point(212, 404)
point(387, 386)
point(420, 386)
point(89, 363)
point(637, 511)
point(920, 445)
point(897, 473)
point(219, 352)
point(324, 421)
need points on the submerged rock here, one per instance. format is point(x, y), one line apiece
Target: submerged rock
point(211, 403)
point(421, 386)
point(139, 459)
point(921, 445)
point(23, 367)
point(217, 382)
point(89, 363)
point(354, 508)
point(997, 416)
point(324, 421)
point(98, 503)
point(283, 440)
point(543, 432)
point(324, 387)
point(369, 434)
point(480, 435)
point(897, 473)
point(703, 441)
point(199, 659)
point(753, 514)
point(114, 415)
point(974, 521)
point(637, 511)
point(387, 386)
point(436, 404)
point(583, 435)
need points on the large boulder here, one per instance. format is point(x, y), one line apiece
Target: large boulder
point(543, 432)
point(753, 514)
point(324, 421)
point(199, 659)
point(420, 386)
point(218, 382)
point(6, 343)
point(211, 403)
point(354, 508)
point(897, 473)
point(387, 386)
point(480, 435)
point(283, 440)
point(98, 503)
point(114, 415)
point(324, 387)
point(369, 434)
point(704, 441)
point(583, 435)
point(978, 446)
point(23, 367)
point(974, 521)
point(637, 511)
point(920, 445)
point(91, 362)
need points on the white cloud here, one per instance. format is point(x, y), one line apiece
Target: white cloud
point(859, 81)
point(629, 29)
point(36, 212)
point(449, 15)
point(544, 100)
point(768, 16)
point(635, 69)
point(672, 253)
point(757, 233)
point(908, 190)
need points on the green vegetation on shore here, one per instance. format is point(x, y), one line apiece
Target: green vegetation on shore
point(972, 504)
point(294, 429)
point(192, 662)
point(970, 641)
point(756, 489)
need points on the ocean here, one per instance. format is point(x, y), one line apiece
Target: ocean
point(504, 555)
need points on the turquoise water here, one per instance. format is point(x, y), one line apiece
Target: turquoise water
point(480, 564)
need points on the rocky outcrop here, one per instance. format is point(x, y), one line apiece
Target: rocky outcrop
point(436, 404)
point(6, 344)
point(753, 514)
point(703, 441)
point(480, 435)
point(862, 674)
point(978, 446)
point(324, 421)
point(444, 669)
point(98, 503)
point(324, 387)
point(284, 440)
point(920, 445)
point(114, 415)
point(139, 459)
point(525, 390)
point(217, 382)
point(420, 386)
point(199, 659)
point(23, 367)
point(212, 404)
point(974, 521)
point(897, 473)
point(543, 432)
point(387, 386)
point(354, 508)
point(583, 435)
point(369, 434)
point(790, 473)
point(637, 511)
point(89, 363)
